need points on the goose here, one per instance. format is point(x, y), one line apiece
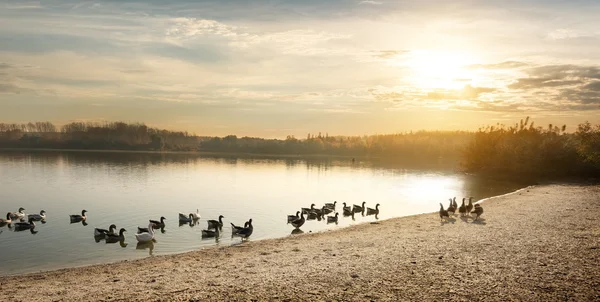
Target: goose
point(236, 228)
point(21, 226)
point(104, 232)
point(331, 205)
point(454, 203)
point(6, 221)
point(359, 209)
point(451, 207)
point(443, 213)
point(157, 224)
point(319, 212)
point(196, 215)
point(477, 211)
point(348, 212)
point(299, 222)
point(327, 210)
point(462, 209)
point(146, 236)
point(211, 233)
point(38, 217)
point(293, 217)
point(185, 219)
point(307, 210)
point(18, 215)
point(78, 218)
point(216, 223)
point(112, 237)
point(373, 211)
point(346, 207)
point(311, 216)
point(333, 219)
point(470, 205)
point(247, 231)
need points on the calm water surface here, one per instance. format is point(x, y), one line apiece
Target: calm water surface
point(128, 189)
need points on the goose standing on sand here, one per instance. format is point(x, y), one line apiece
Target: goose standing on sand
point(470, 205)
point(333, 219)
point(111, 237)
point(78, 218)
point(38, 217)
point(293, 217)
point(477, 211)
point(186, 219)
point(21, 226)
point(299, 222)
point(443, 213)
point(462, 209)
point(454, 203)
point(331, 205)
point(158, 224)
point(247, 231)
point(18, 215)
point(451, 207)
point(216, 223)
point(374, 211)
point(146, 236)
point(6, 221)
point(103, 232)
point(359, 209)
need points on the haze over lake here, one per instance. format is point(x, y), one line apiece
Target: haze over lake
point(127, 189)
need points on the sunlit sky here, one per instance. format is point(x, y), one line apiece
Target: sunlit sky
point(273, 68)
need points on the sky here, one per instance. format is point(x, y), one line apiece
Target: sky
point(275, 68)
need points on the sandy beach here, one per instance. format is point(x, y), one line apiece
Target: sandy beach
point(539, 244)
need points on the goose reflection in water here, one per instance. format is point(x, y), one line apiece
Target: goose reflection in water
point(191, 223)
point(297, 231)
point(149, 245)
point(145, 230)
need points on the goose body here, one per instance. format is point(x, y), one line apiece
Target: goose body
point(104, 232)
point(38, 217)
point(308, 210)
point(470, 205)
point(451, 207)
point(146, 236)
point(331, 206)
point(327, 210)
point(358, 209)
point(18, 215)
point(216, 223)
point(246, 231)
point(348, 212)
point(236, 228)
point(21, 226)
point(462, 209)
point(346, 208)
point(158, 223)
point(78, 218)
point(186, 219)
point(443, 213)
point(374, 211)
point(333, 219)
point(299, 222)
point(211, 233)
point(478, 210)
point(454, 203)
point(293, 217)
point(112, 237)
point(6, 221)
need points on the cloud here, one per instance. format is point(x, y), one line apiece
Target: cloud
point(388, 54)
point(502, 65)
point(525, 83)
point(595, 86)
point(467, 93)
point(563, 33)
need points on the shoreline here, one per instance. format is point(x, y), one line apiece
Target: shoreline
point(393, 259)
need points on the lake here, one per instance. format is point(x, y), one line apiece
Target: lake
point(127, 189)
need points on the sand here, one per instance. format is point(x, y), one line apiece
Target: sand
point(539, 244)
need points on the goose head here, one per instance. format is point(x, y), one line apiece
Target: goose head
point(8, 216)
point(250, 222)
point(221, 217)
point(334, 203)
point(191, 216)
point(297, 213)
point(344, 203)
point(21, 210)
point(121, 231)
point(363, 204)
point(312, 206)
point(112, 227)
point(42, 212)
point(83, 213)
point(162, 219)
point(337, 214)
point(377, 207)
point(441, 207)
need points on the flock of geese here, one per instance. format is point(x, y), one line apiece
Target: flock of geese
point(463, 210)
point(319, 214)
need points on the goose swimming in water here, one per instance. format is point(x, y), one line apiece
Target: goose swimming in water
point(346, 208)
point(78, 218)
point(211, 233)
point(216, 223)
point(38, 217)
point(157, 224)
point(308, 210)
point(331, 206)
point(374, 211)
point(299, 222)
point(18, 215)
point(293, 217)
point(477, 211)
point(111, 237)
point(186, 219)
point(104, 232)
point(146, 236)
point(333, 219)
point(21, 226)
point(247, 231)
point(236, 228)
point(196, 215)
point(470, 205)
point(451, 207)
point(462, 209)
point(359, 209)
point(6, 221)
point(443, 213)
point(326, 210)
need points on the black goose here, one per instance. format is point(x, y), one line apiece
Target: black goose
point(359, 209)
point(327, 210)
point(156, 223)
point(112, 237)
point(299, 222)
point(333, 219)
point(345, 207)
point(470, 205)
point(443, 213)
point(307, 210)
point(454, 203)
point(331, 206)
point(247, 231)
point(103, 232)
point(78, 218)
point(21, 226)
point(216, 223)
point(214, 233)
point(462, 209)
point(348, 212)
point(477, 211)
point(6, 221)
point(293, 217)
point(451, 207)
point(236, 228)
point(374, 211)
